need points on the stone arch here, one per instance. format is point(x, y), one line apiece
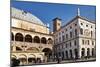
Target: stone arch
point(47, 50)
point(19, 37)
point(31, 59)
point(39, 58)
point(12, 36)
point(47, 53)
point(36, 39)
point(43, 40)
point(28, 38)
point(22, 56)
point(13, 56)
point(31, 55)
point(22, 59)
point(50, 41)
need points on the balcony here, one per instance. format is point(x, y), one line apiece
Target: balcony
point(18, 43)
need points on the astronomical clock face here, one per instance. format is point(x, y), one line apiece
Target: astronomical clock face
point(87, 32)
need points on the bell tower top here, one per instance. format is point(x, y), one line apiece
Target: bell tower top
point(56, 24)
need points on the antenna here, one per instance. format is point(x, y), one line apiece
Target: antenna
point(78, 12)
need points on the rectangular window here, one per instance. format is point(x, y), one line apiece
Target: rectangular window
point(66, 45)
point(75, 32)
point(59, 39)
point(70, 34)
point(88, 42)
point(66, 54)
point(63, 38)
point(83, 42)
point(75, 42)
point(81, 31)
point(66, 36)
point(92, 42)
point(91, 33)
point(70, 44)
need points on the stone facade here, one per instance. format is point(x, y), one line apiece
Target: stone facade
point(76, 39)
point(31, 41)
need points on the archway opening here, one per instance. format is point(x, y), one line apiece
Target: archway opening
point(76, 54)
point(83, 53)
point(14, 62)
point(36, 39)
point(43, 40)
point(23, 59)
point(19, 37)
point(31, 60)
point(88, 52)
point(71, 56)
point(48, 53)
point(28, 38)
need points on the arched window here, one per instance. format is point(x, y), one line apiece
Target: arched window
point(12, 36)
point(36, 39)
point(81, 31)
point(28, 38)
point(88, 52)
point(83, 52)
point(50, 41)
point(43, 40)
point(76, 53)
point(71, 54)
point(19, 37)
point(93, 54)
point(66, 54)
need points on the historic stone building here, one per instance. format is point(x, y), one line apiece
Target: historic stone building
point(31, 40)
point(76, 39)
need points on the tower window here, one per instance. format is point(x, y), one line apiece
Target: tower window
point(59, 24)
